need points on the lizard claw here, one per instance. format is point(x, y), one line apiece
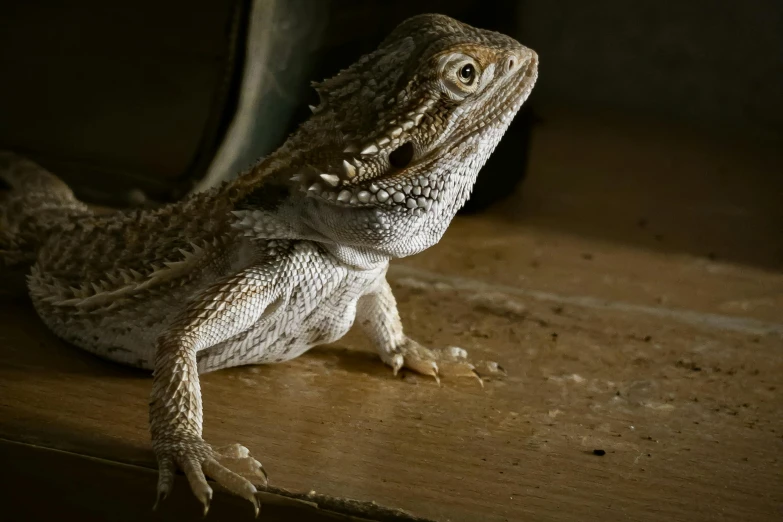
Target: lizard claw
point(478, 376)
point(398, 361)
point(207, 502)
point(257, 505)
point(162, 495)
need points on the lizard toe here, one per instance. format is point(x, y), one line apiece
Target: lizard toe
point(198, 482)
point(233, 482)
point(236, 451)
point(247, 467)
point(166, 470)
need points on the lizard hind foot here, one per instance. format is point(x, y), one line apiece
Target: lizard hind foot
point(232, 467)
point(451, 362)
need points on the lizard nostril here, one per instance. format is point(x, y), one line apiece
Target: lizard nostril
point(402, 155)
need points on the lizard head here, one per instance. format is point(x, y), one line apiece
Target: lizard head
point(394, 147)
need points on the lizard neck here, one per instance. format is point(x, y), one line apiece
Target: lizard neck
point(357, 257)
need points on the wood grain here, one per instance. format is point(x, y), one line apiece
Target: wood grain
point(605, 349)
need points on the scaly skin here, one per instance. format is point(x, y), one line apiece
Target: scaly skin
point(288, 254)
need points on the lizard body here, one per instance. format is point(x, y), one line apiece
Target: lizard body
point(287, 255)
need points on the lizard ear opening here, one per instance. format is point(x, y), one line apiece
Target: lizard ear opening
point(402, 155)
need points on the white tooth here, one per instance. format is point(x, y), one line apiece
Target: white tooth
point(296, 177)
point(312, 108)
point(398, 197)
point(344, 195)
point(408, 124)
point(422, 202)
point(315, 187)
point(410, 203)
point(364, 196)
point(383, 140)
point(416, 191)
point(426, 192)
point(331, 179)
point(351, 149)
point(374, 188)
point(382, 195)
point(395, 132)
point(369, 149)
point(349, 170)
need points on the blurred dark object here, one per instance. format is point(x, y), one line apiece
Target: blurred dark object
point(115, 97)
point(142, 103)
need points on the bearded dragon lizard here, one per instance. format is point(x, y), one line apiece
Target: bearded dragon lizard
point(288, 254)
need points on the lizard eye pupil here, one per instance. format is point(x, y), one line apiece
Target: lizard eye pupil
point(467, 73)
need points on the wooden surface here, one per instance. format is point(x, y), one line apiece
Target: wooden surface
point(660, 354)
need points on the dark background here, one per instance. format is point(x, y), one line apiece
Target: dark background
point(133, 103)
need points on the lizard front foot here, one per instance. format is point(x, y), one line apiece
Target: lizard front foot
point(231, 466)
point(451, 362)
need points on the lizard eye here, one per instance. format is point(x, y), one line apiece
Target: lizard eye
point(467, 74)
point(459, 75)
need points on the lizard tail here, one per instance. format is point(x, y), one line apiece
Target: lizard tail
point(32, 202)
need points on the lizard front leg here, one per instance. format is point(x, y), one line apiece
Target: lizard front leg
point(224, 309)
point(378, 316)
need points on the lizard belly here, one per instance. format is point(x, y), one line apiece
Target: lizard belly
point(299, 325)
point(126, 336)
